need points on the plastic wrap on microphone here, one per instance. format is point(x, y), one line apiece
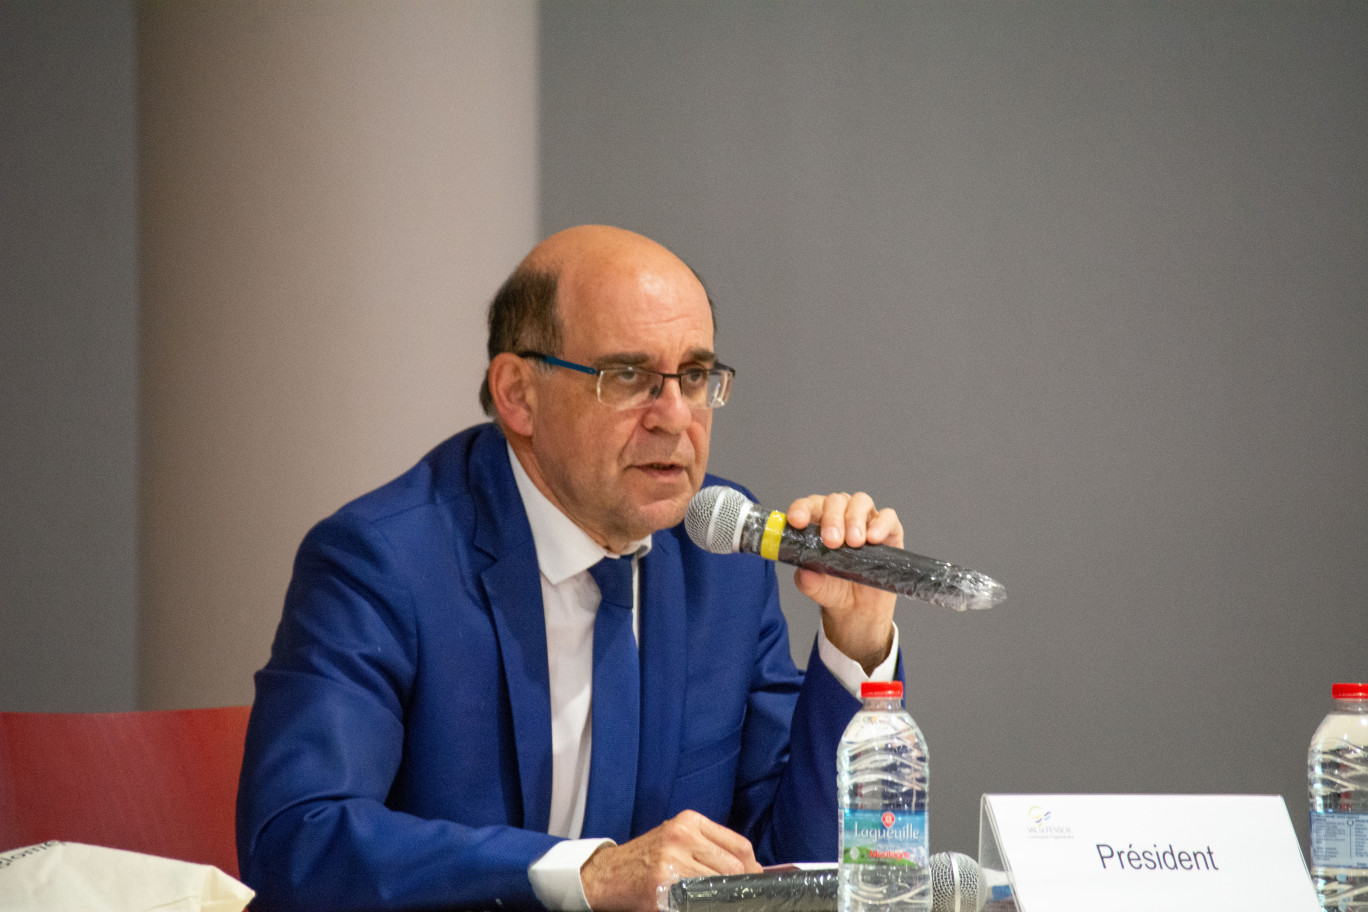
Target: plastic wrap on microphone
point(812, 888)
point(724, 521)
point(787, 888)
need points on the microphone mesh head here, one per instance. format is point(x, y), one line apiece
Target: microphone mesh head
point(714, 518)
point(954, 882)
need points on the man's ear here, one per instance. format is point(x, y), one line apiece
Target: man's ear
point(515, 395)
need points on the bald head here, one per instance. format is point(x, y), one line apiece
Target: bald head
point(573, 265)
point(590, 248)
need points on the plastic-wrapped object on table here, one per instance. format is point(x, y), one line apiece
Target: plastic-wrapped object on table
point(785, 889)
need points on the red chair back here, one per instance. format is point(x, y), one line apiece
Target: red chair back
point(161, 782)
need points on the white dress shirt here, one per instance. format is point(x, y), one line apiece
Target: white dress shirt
point(570, 599)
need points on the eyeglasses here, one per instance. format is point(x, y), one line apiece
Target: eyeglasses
point(635, 387)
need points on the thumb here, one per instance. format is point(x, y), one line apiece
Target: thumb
point(826, 591)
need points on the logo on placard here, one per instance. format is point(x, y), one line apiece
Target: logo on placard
point(888, 819)
point(1041, 825)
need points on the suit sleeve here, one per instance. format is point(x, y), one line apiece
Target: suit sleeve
point(324, 746)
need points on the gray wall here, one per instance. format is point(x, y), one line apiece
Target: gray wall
point(68, 356)
point(1079, 289)
point(329, 194)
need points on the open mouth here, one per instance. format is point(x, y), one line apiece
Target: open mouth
point(661, 468)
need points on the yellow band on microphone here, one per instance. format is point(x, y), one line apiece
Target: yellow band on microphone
point(774, 530)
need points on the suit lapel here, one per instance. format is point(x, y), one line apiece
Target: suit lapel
point(664, 671)
point(513, 586)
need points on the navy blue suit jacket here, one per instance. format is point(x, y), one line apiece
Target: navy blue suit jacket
point(399, 750)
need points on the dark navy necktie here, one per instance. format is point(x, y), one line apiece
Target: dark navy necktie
point(616, 706)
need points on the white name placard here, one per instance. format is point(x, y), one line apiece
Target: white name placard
point(1139, 853)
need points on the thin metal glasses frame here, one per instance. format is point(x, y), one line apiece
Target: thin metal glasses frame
point(720, 377)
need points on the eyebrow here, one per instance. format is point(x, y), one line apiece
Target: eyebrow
point(641, 359)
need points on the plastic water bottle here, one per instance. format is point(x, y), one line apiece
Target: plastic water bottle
point(1337, 776)
point(881, 774)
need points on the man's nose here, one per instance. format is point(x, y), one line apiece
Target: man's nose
point(670, 410)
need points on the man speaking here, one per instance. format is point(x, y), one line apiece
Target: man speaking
point(508, 679)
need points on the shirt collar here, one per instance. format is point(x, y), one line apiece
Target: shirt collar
point(563, 548)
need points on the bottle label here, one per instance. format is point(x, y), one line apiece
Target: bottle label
point(1339, 840)
point(883, 837)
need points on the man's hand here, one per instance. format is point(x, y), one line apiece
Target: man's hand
point(858, 620)
point(624, 878)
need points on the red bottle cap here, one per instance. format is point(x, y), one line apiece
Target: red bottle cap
point(881, 689)
point(1348, 691)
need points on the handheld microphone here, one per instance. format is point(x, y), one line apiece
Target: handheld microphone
point(954, 882)
point(724, 521)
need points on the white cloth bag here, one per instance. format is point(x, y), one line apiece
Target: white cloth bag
point(72, 877)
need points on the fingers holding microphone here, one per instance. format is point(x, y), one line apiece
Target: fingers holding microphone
point(848, 519)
